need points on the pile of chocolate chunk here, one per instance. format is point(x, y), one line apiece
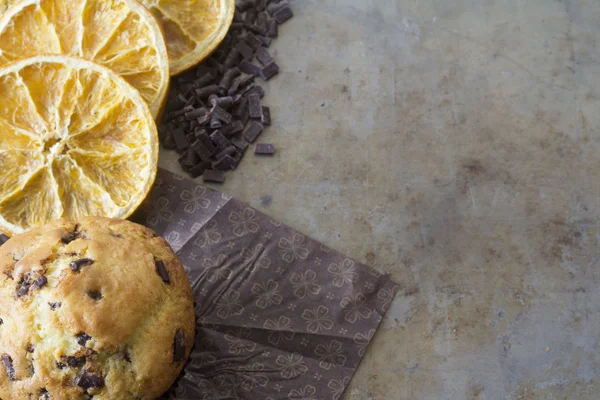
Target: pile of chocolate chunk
point(214, 111)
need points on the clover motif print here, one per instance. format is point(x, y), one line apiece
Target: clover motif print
point(173, 239)
point(209, 235)
point(362, 340)
point(293, 248)
point(280, 330)
point(343, 273)
point(317, 320)
point(386, 296)
point(162, 212)
point(305, 283)
point(238, 341)
point(251, 376)
point(330, 355)
point(355, 308)
point(255, 257)
point(337, 387)
point(267, 294)
point(291, 366)
point(309, 392)
point(194, 199)
point(215, 271)
point(229, 304)
point(243, 222)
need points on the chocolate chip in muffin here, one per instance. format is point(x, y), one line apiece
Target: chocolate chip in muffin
point(43, 394)
point(1, 322)
point(94, 294)
point(71, 236)
point(40, 282)
point(88, 381)
point(179, 346)
point(161, 270)
point(73, 361)
point(126, 355)
point(60, 365)
point(82, 262)
point(23, 286)
point(82, 338)
point(30, 348)
point(3, 238)
point(55, 305)
point(8, 364)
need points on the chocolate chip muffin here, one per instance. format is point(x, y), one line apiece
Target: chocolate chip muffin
point(97, 308)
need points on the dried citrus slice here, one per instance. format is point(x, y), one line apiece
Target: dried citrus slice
point(75, 140)
point(193, 28)
point(119, 34)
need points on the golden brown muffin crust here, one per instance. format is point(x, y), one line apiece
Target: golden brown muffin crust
point(98, 307)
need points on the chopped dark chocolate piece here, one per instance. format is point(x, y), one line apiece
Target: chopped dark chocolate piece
point(77, 264)
point(189, 159)
point(225, 163)
point(261, 20)
point(266, 116)
point(180, 140)
point(8, 364)
point(211, 175)
point(249, 68)
point(199, 169)
point(94, 294)
point(233, 128)
point(169, 142)
point(88, 381)
point(161, 270)
point(272, 28)
point(264, 57)
point(237, 16)
point(252, 131)
point(179, 346)
point(205, 119)
point(54, 306)
point(254, 107)
point(264, 149)
point(256, 89)
point(225, 102)
point(240, 143)
point(266, 40)
point(197, 113)
point(206, 91)
point(221, 114)
point(246, 51)
point(244, 5)
point(241, 106)
point(203, 152)
point(179, 113)
point(190, 137)
point(258, 29)
point(215, 122)
point(219, 140)
point(261, 5)
point(40, 282)
point(275, 6)
point(236, 26)
point(82, 338)
point(229, 151)
point(205, 80)
point(227, 79)
point(269, 71)
point(283, 14)
point(253, 41)
point(206, 141)
point(250, 16)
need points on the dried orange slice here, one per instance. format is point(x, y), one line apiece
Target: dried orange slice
point(193, 28)
point(118, 34)
point(75, 140)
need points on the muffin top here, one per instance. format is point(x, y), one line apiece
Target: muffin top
point(96, 308)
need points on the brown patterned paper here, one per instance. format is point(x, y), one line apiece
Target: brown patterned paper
point(279, 316)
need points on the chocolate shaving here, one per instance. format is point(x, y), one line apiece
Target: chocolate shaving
point(161, 270)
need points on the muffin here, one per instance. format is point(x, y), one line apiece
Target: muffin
point(96, 308)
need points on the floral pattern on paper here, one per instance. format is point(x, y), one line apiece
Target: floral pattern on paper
point(214, 269)
point(280, 329)
point(362, 341)
point(291, 366)
point(209, 235)
point(317, 320)
point(267, 294)
point(305, 283)
point(330, 355)
point(255, 257)
point(229, 304)
point(243, 222)
point(308, 392)
point(355, 308)
point(343, 273)
point(194, 199)
point(162, 212)
point(337, 387)
point(238, 341)
point(293, 248)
